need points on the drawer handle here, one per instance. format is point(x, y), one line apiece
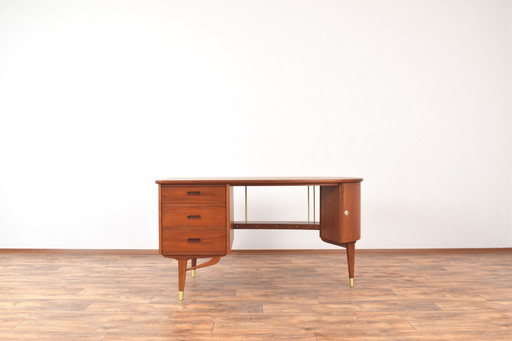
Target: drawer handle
point(194, 240)
point(194, 216)
point(194, 192)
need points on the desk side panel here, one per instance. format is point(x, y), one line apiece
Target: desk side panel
point(230, 233)
point(160, 219)
point(330, 217)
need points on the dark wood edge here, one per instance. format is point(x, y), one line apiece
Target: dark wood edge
point(262, 252)
point(260, 181)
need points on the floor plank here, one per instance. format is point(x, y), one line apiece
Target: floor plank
point(257, 297)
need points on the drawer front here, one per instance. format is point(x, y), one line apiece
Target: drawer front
point(193, 242)
point(207, 216)
point(193, 195)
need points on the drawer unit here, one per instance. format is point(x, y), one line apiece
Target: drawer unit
point(194, 220)
point(193, 242)
point(193, 195)
point(205, 216)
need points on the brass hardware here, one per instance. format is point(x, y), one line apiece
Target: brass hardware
point(314, 204)
point(346, 212)
point(246, 204)
point(351, 282)
point(193, 273)
point(180, 295)
point(309, 209)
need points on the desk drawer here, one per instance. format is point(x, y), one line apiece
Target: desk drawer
point(207, 216)
point(198, 242)
point(193, 195)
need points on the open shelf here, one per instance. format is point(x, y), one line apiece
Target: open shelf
point(277, 225)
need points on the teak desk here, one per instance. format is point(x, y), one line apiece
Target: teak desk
point(196, 217)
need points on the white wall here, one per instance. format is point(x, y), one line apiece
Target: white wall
point(100, 98)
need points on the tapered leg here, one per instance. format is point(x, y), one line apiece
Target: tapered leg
point(351, 251)
point(182, 271)
point(194, 263)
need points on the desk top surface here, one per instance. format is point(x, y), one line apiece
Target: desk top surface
point(270, 181)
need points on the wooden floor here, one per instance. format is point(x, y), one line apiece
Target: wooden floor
point(257, 297)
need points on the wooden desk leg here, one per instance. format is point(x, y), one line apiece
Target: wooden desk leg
point(351, 251)
point(193, 263)
point(182, 272)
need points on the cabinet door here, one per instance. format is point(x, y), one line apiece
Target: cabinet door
point(340, 213)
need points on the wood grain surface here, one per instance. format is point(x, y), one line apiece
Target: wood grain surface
point(193, 194)
point(463, 296)
point(186, 216)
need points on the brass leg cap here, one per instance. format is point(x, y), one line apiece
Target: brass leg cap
point(193, 273)
point(351, 282)
point(180, 295)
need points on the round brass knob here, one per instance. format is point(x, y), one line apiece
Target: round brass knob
point(346, 212)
